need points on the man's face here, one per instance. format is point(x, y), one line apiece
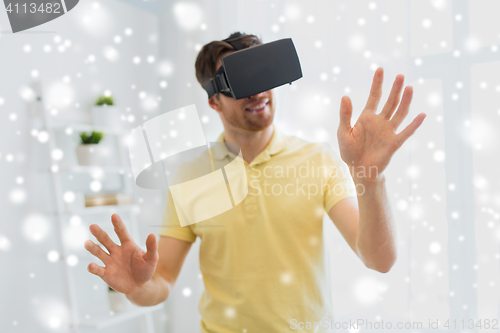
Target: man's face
point(253, 114)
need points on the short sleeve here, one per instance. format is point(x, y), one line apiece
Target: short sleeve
point(340, 182)
point(171, 226)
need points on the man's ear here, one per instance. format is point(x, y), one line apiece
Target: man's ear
point(215, 103)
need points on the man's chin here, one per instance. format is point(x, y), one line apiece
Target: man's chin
point(262, 124)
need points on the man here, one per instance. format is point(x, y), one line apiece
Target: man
point(262, 261)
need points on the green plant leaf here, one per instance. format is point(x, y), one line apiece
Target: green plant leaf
point(104, 100)
point(94, 138)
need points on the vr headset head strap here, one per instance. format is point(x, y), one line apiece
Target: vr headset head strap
point(235, 41)
point(219, 82)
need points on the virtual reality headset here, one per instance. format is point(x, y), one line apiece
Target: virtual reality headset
point(255, 69)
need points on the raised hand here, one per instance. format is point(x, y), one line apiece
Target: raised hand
point(127, 266)
point(372, 141)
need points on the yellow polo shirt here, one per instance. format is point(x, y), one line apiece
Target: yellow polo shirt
point(263, 261)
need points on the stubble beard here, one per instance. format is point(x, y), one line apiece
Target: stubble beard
point(249, 122)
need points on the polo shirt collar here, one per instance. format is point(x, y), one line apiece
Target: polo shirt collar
point(277, 144)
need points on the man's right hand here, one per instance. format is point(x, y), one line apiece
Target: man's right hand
point(127, 266)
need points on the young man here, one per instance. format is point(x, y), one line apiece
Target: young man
point(262, 261)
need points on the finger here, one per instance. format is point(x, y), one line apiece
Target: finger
point(376, 90)
point(403, 108)
point(96, 250)
point(410, 129)
point(394, 96)
point(96, 270)
point(102, 237)
point(152, 249)
point(345, 114)
point(120, 228)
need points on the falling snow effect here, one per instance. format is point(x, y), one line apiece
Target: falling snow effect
point(106, 54)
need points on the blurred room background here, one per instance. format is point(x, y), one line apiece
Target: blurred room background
point(443, 183)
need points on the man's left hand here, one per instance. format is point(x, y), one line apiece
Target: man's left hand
point(371, 142)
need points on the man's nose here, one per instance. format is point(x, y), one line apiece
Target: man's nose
point(258, 95)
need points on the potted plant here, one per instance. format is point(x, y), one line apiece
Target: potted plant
point(88, 152)
point(104, 100)
point(118, 302)
point(105, 113)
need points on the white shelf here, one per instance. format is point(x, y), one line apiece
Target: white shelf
point(39, 118)
point(103, 209)
point(103, 320)
point(84, 127)
point(92, 169)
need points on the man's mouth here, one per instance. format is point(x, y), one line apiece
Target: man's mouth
point(258, 108)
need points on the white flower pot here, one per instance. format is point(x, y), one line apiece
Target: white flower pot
point(106, 116)
point(89, 154)
point(118, 302)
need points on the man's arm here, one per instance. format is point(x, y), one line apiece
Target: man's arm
point(367, 224)
point(172, 253)
point(370, 144)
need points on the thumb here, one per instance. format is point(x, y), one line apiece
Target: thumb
point(345, 114)
point(151, 255)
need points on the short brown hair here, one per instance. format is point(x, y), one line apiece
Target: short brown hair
point(207, 58)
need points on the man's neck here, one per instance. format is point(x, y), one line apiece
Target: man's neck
point(251, 143)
